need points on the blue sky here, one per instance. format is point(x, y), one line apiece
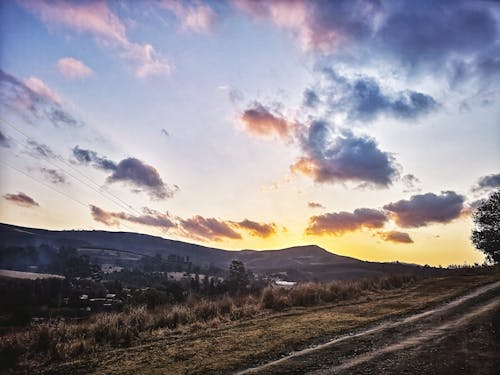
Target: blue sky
point(252, 124)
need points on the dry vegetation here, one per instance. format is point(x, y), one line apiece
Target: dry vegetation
point(277, 311)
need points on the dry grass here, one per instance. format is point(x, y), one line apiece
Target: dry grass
point(207, 335)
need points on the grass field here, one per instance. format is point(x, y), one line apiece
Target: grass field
point(226, 343)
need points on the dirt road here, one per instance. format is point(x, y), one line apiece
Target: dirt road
point(459, 337)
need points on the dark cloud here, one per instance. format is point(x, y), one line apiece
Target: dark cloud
point(211, 229)
point(363, 99)
point(341, 222)
point(4, 141)
point(395, 236)
point(149, 218)
point(260, 120)
point(91, 157)
point(34, 100)
point(40, 150)
point(425, 209)
point(130, 171)
point(315, 205)
point(141, 175)
point(462, 30)
point(257, 229)
point(487, 183)
point(165, 133)
point(311, 99)
point(54, 175)
point(345, 157)
point(419, 34)
point(21, 199)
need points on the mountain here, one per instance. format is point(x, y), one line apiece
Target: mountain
point(300, 262)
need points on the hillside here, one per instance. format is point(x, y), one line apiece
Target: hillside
point(300, 262)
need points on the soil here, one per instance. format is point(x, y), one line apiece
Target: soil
point(459, 337)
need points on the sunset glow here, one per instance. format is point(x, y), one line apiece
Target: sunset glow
point(254, 124)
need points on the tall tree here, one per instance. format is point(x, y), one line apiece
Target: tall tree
point(486, 234)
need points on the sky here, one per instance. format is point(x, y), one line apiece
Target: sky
point(370, 128)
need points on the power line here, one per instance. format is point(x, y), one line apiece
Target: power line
point(54, 189)
point(117, 201)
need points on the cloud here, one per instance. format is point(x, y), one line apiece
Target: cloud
point(98, 20)
point(73, 68)
point(410, 182)
point(311, 98)
point(21, 199)
point(165, 133)
point(487, 183)
point(198, 17)
point(315, 205)
point(130, 171)
point(260, 121)
point(363, 99)
point(54, 176)
point(4, 141)
point(338, 223)
point(422, 210)
point(40, 150)
point(38, 86)
point(345, 157)
point(34, 100)
point(257, 229)
point(463, 31)
point(139, 174)
point(149, 218)
point(395, 236)
point(458, 33)
point(320, 25)
point(89, 156)
point(212, 229)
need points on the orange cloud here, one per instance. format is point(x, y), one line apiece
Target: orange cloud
point(338, 223)
point(260, 121)
point(395, 236)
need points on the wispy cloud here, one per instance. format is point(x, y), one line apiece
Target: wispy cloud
point(21, 199)
point(196, 16)
point(73, 68)
point(98, 20)
point(54, 176)
point(34, 100)
point(315, 205)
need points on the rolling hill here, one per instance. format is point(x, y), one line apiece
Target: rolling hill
point(301, 262)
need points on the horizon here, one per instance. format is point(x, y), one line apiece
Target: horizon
point(254, 125)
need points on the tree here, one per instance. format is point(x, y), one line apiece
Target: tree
point(238, 276)
point(486, 234)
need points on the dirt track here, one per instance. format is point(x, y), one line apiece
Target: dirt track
point(461, 336)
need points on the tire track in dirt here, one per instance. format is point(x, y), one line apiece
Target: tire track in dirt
point(412, 339)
